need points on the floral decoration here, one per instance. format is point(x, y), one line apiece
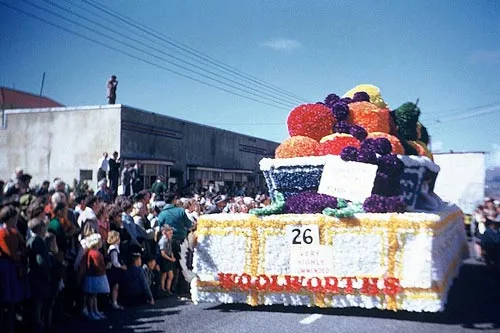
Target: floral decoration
point(421, 148)
point(342, 127)
point(331, 99)
point(382, 204)
point(276, 207)
point(340, 111)
point(397, 147)
point(372, 91)
point(361, 96)
point(309, 202)
point(390, 165)
point(334, 143)
point(297, 146)
point(311, 120)
point(358, 132)
point(382, 146)
point(349, 154)
point(369, 116)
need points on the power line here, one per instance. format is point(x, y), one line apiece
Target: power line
point(189, 50)
point(155, 56)
point(134, 56)
point(462, 111)
point(258, 92)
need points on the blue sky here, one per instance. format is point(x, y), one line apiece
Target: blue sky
point(446, 53)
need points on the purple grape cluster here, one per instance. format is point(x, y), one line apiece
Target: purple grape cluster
point(349, 154)
point(361, 96)
point(381, 204)
point(358, 132)
point(342, 127)
point(331, 99)
point(309, 202)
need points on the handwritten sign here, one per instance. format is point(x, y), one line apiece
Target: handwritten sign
point(303, 234)
point(311, 260)
point(348, 180)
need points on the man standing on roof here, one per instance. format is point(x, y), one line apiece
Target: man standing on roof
point(111, 89)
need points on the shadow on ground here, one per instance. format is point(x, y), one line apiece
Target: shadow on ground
point(474, 299)
point(141, 318)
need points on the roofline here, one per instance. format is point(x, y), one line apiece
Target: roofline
point(459, 152)
point(62, 108)
point(121, 106)
point(199, 124)
point(28, 93)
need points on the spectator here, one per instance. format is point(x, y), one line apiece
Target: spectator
point(159, 188)
point(95, 281)
point(12, 252)
point(219, 202)
point(39, 266)
point(102, 166)
point(104, 193)
point(151, 269)
point(116, 270)
point(111, 87)
point(136, 282)
point(176, 218)
point(114, 174)
point(126, 178)
point(167, 259)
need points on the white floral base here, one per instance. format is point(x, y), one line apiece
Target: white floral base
point(412, 259)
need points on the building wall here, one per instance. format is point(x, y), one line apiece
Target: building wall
point(57, 142)
point(152, 136)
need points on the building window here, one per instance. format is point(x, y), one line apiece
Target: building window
point(85, 175)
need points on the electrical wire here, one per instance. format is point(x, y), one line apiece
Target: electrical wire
point(130, 21)
point(155, 56)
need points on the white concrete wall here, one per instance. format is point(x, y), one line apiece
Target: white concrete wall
point(58, 142)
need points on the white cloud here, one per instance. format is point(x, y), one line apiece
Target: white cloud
point(437, 146)
point(282, 44)
point(483, 56)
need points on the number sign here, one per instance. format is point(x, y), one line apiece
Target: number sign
point(303, 234)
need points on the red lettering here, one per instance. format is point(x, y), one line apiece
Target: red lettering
point(265, 285)
point(370, 286)
point(332, 284)
point(274, 285)
point(318, 287)
point(227, 280)
point(391, 286)
point(293, 283)
point(348, 288)
point(245, 281)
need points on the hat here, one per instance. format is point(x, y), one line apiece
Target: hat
point(219, 199)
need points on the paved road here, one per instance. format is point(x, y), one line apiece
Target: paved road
point(474, 299)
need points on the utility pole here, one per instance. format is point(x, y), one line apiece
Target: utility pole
point(41, 86)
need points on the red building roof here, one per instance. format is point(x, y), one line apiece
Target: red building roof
point(15, 99)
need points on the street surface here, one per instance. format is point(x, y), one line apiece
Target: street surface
point(473, 300)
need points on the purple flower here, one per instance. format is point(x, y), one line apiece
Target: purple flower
point(361, 96)
point(358, 132)
point(368, 144)
point(395, 204)
point(342, 127)
point(381, 184)
point(309, 202)
point(349, 154)
point(382, 146)
point(391, 165)
point(367, 156)
point(346, 100)
point(331, 99)
point(375, 204)
point(340, 111)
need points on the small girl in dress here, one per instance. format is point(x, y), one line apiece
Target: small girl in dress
point(95, 281)
point(115, 268)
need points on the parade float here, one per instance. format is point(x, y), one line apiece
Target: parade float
point(353, 222)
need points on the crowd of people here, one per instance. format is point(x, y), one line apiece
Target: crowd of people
point(485, 228)
point(83, 252)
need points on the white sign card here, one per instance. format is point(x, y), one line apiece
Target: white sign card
point(347, 180)
point(311, 260)
point(302, 234)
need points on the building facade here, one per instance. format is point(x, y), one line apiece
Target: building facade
point(67, 142)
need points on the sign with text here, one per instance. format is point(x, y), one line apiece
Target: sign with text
point(302, 234)
point(348, 180)
point(311, 260)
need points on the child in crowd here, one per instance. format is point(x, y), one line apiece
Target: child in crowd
point(116, 268)
point(137, 284)
point(39, 275)
point(152, 272)
point(167, 259)
point(95, 281)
